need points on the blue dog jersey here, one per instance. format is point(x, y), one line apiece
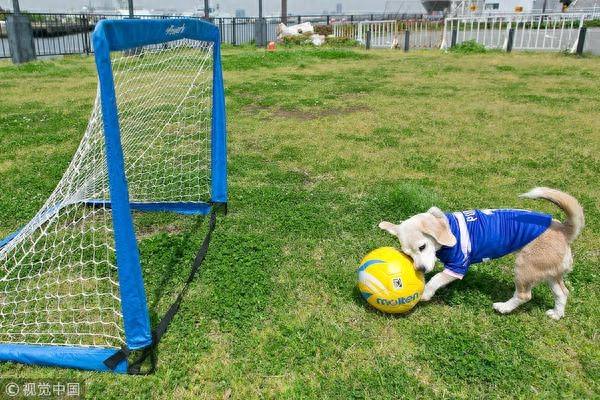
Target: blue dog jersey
point(483, 235)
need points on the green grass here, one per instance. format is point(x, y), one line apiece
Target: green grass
point(323, 144)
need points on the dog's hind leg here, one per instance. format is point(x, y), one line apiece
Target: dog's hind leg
point(561, 293)
point(557, 285)
point(525, 278)
point(524, 282)
point(522, 295)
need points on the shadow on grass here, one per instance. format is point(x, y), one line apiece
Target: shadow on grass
point(168, 257)
point(359, 300)
point(479, 287)
point(482, 287)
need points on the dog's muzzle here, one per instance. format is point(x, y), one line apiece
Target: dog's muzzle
point(421, 268)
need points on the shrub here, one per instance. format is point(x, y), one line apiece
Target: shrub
point(340, 42)
point(469, 47)
point(594, 23)
point(325, 30)
point(330, 41)
point(298, 40)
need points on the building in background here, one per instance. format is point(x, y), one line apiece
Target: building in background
point(488, 7)
point(231, 8)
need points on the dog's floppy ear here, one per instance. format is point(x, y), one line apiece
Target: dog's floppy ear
point(436, 212)
point(438, 228)
point(388, 226)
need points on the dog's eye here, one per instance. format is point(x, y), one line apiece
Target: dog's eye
point(421, 248)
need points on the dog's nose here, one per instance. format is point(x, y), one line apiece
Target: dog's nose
point(421, 268)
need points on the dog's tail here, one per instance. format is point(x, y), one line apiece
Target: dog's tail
point(575, 219)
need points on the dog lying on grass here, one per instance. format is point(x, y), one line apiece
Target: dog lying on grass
point(464, 238)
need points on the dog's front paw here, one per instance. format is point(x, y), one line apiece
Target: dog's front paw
point(427, 295)
point(555, 315)
point(503, 308)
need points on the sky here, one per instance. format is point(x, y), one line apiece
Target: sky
point(226, 7)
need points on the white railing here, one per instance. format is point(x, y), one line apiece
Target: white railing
point(383, 33)
point(548, 32)
point(422, 33)
point(545, 32)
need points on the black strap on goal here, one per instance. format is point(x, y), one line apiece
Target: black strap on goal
point(135, 368)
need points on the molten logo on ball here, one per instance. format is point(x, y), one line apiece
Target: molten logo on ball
point(388, 281)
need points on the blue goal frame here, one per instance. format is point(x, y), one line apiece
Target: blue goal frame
point(119, 35)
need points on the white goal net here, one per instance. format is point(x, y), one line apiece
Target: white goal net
point(58, 275)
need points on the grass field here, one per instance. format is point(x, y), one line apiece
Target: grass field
point(323, 145)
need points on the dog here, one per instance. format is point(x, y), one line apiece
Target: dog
point(464, 238)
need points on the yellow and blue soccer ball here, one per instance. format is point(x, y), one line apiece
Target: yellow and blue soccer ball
point(389, 282)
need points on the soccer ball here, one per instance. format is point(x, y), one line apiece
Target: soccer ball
point(389, 282)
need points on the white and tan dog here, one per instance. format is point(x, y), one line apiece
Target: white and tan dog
point(464, 238)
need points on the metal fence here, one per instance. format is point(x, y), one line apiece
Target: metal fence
point(55, 34)
point(238, 31)
point(411, 33)
point(546, 32)
point(58, 34)
point(4, 51)
point(516, 31)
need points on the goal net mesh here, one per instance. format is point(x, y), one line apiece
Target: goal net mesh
point(58, 275)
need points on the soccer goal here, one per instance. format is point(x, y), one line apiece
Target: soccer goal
point(71, 286)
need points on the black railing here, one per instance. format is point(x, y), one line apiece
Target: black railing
point(60, 34)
